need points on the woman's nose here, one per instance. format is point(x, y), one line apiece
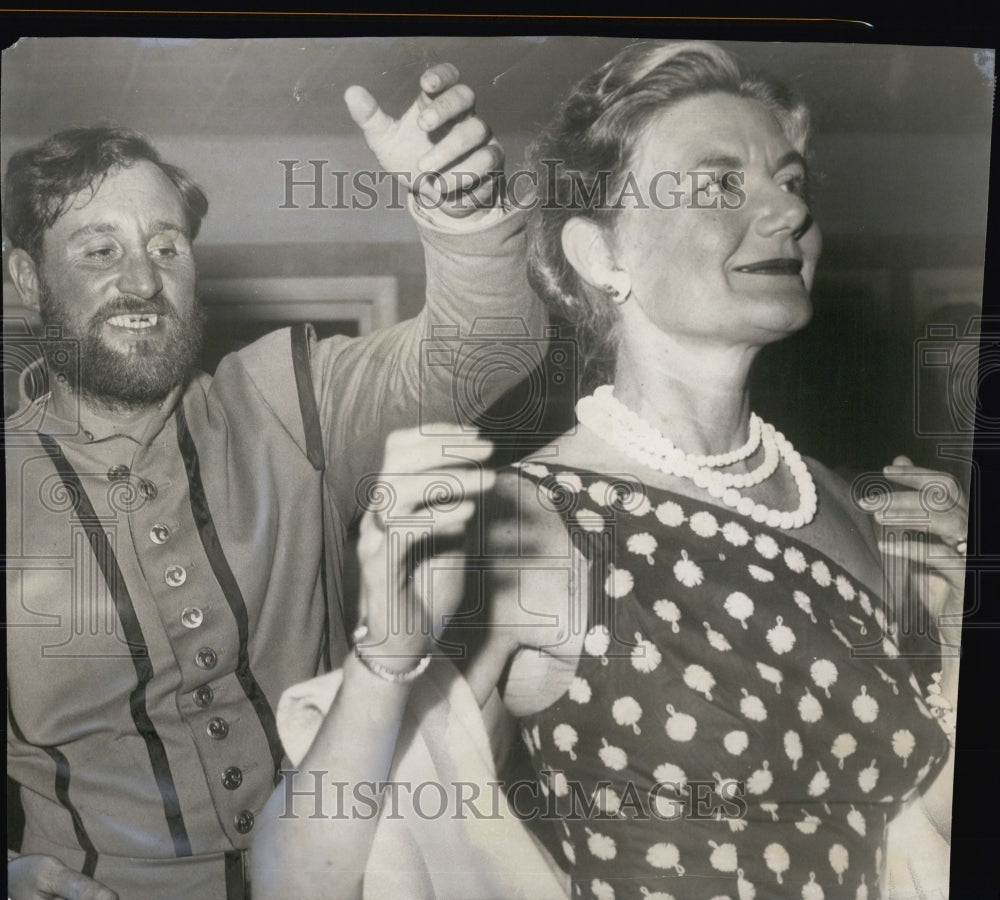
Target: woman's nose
point(139, 277)
point(783, 211)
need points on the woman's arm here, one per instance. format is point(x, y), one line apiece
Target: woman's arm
point(306, 851)
point(302, 848)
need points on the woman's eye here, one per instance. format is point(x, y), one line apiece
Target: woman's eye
point(795, 185)
point(712, 187)
point(724, 181)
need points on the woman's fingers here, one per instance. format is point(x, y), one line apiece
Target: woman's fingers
point(924, 524)
point(928, 499)
point(420, 448)
point(426, 497)
point(411, 539)
point(438, 501)
point(943, 591)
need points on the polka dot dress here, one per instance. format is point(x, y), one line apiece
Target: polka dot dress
point(719, 740)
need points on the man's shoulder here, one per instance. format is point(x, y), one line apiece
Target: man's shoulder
point(267, 380)
point(267, 358)
point(279, 348)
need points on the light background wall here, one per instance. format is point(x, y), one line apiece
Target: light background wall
point(900, 166)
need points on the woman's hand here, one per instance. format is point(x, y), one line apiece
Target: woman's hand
point(412, 576)
point(411, 541)
point(932, 502)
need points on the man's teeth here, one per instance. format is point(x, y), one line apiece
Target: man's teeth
point(137, 322)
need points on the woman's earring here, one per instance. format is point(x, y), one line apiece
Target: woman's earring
point(619, 286)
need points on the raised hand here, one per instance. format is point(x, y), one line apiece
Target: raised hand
point(411, 539)
point(439, 148)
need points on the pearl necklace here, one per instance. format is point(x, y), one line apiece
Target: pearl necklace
point(616, 424)
point(661, 449)
point(662, 445)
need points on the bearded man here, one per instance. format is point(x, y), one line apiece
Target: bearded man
point(176, 540)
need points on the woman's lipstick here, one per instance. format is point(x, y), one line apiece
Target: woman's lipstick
point(782, 266)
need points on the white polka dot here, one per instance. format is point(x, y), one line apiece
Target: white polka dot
point(670, 514)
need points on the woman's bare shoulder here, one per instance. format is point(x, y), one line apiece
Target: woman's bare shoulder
point(522, 522)
point(844, 530)
point(848, 496)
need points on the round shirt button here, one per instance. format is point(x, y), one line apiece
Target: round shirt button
point(159, 533)
point(217, 728)
point(175, 576)
point(148, 489)
point(232, 778)
point(206, 658)
point(192, 617)
point(120, 472)
point(203, 696)
point(243, 821)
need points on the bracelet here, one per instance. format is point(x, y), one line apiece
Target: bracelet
point(383, 672)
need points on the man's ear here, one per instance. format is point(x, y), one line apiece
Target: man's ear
point(24, 274)
point(586, 247)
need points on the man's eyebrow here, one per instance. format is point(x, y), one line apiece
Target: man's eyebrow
point(160, 225)
point(164, 225)
point(96, 228)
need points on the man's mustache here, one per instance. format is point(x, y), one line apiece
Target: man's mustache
point(135, 306)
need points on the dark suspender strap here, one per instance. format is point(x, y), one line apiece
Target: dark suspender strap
point(227, 581)
point(307, 396)
point(104, 553)
point(62, 795)
point(237, 887)
point(15, 816)
point(314, 452)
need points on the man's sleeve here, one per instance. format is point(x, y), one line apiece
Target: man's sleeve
point(445, 365)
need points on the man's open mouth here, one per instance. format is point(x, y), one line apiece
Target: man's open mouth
point(135, 322)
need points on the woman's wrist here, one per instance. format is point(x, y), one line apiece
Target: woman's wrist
point(385, 667)
point(397, 665)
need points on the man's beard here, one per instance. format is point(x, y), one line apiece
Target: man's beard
point(120, 380)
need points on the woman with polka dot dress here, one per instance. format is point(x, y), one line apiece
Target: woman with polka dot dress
point(690, 626)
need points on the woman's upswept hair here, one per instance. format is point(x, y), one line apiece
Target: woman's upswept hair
point(40, 180)
point(586, 152)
